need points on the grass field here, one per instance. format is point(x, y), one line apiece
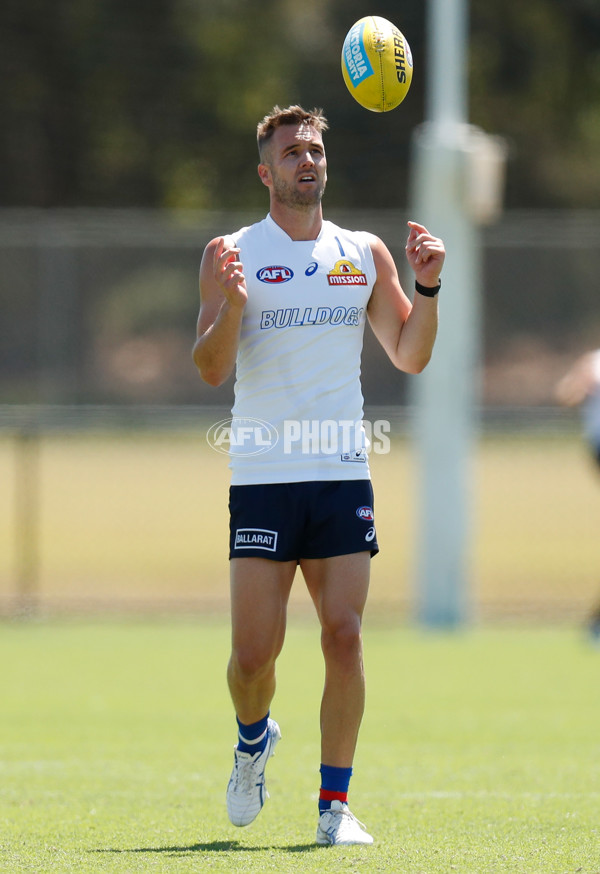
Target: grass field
point(479, 752)
point(140, 519)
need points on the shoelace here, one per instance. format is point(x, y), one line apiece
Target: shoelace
point(246, 775)
point(345, 811)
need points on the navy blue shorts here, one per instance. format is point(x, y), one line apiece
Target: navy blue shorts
point(290, 521)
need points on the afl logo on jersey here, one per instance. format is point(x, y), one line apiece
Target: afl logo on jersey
point(275, 273)
point(365, 513)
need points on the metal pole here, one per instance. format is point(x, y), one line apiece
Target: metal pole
point(27, 515)
point(57, 329)
point(444, 394)
point(447, 93)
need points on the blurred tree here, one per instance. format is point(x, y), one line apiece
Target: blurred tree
point(155, 103)
point(535, 78)
point(138, 103)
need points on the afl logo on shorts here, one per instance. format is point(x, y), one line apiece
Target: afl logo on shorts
point(275, 273)
point(365, 513)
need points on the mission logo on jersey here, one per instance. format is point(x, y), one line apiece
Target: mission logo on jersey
point(345, 273)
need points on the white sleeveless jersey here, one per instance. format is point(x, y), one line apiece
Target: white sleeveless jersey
point(298, 407)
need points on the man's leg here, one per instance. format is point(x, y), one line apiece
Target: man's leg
point(260, 591)
point(339, 587)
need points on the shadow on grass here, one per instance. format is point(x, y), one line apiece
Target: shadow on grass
point(213, 847)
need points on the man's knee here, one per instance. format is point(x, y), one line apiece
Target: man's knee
point(251, 662)
point(341, 639)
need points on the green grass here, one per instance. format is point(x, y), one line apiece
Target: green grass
point(479, 752)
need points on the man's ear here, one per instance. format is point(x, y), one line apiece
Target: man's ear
point(265, 174)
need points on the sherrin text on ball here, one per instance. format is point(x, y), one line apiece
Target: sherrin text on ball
point(377, 64)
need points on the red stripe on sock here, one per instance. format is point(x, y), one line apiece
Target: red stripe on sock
point(328, 795)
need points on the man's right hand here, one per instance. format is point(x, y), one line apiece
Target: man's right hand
point(229, 272)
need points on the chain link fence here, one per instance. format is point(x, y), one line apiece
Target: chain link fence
point(101, 306)
point(110, 497)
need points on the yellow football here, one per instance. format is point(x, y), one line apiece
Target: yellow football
point(377, 64)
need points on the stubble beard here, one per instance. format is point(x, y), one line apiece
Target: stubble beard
point(290, 196)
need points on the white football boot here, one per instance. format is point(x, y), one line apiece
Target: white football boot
point(246, 792)
point(340, 827)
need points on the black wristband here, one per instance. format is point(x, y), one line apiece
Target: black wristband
point(428, 292)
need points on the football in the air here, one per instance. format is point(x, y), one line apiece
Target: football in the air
point(376, 64)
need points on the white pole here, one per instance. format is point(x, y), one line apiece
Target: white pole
point(447, 93)
point(444, 395)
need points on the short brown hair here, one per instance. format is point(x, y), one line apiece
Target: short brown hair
point(291, 115)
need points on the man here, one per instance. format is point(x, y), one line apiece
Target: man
point(285, 302)
point(580, 386)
